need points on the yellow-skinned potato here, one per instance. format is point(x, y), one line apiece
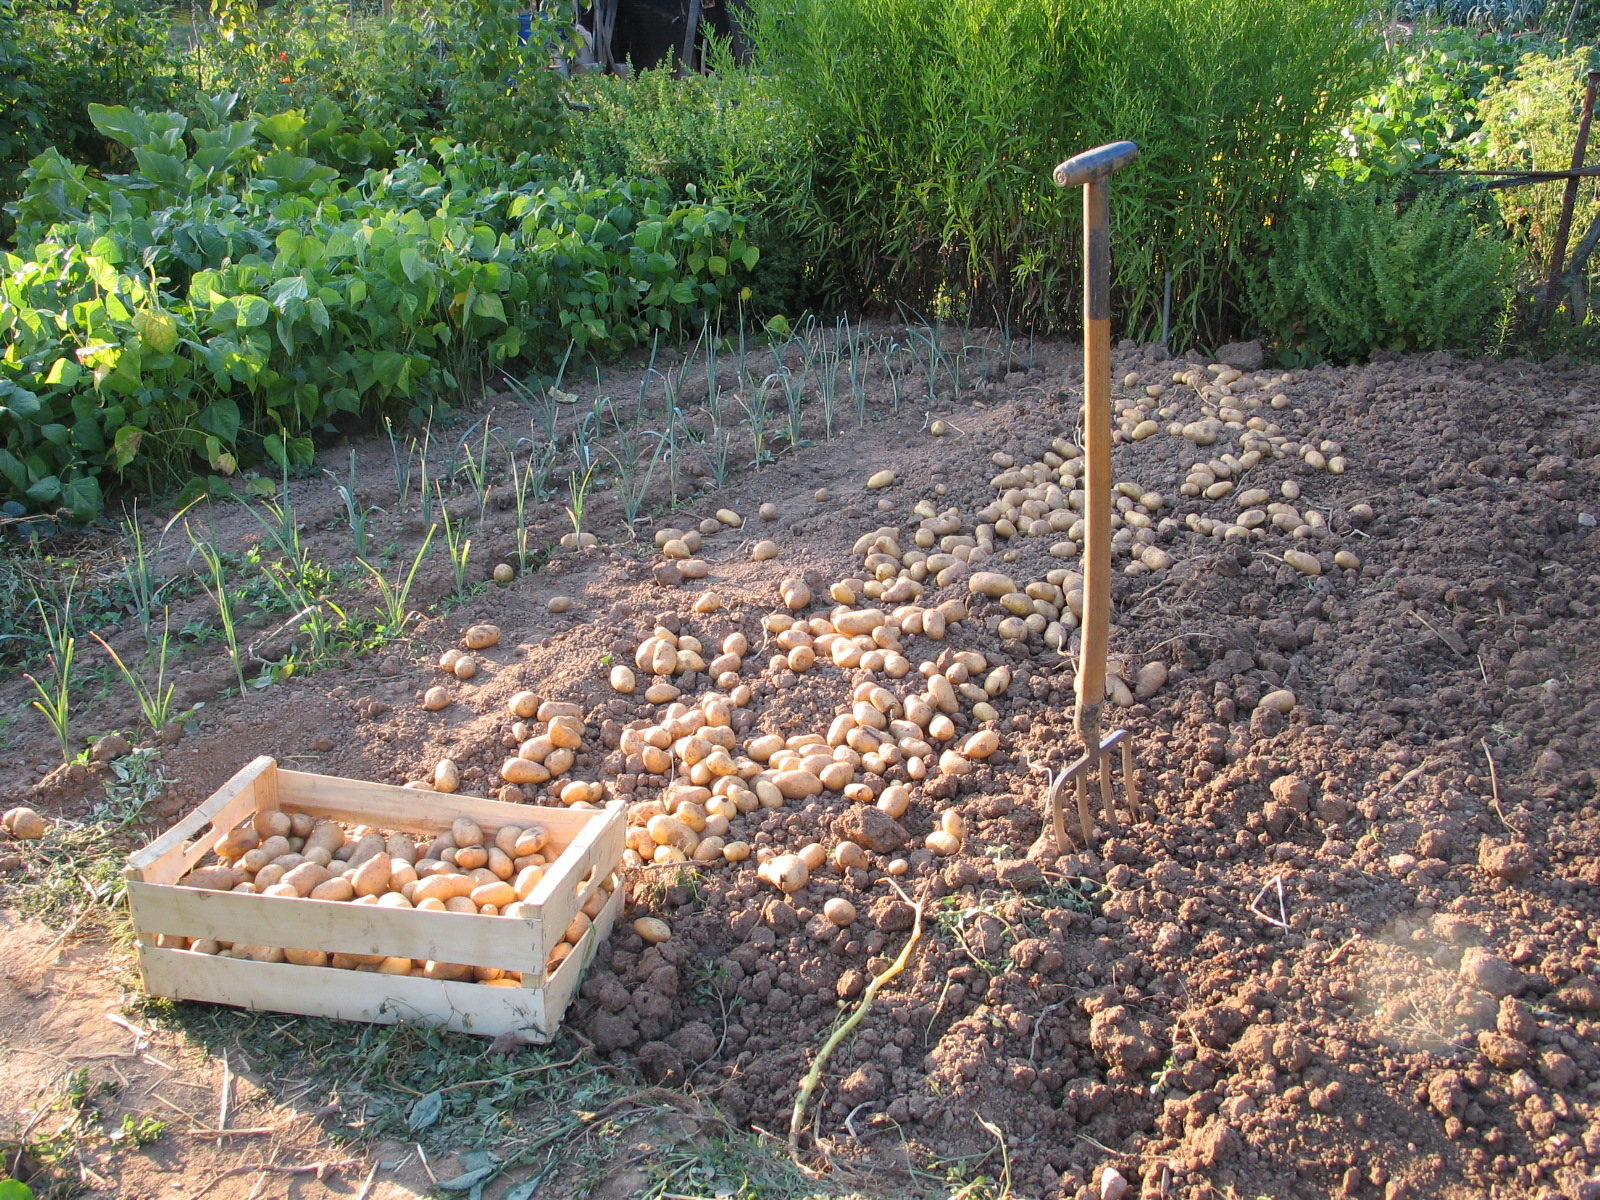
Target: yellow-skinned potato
point(236, 842)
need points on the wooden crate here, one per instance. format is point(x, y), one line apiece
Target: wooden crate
point(588, 845)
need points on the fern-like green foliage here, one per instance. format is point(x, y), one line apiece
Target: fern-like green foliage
point(1350, 272)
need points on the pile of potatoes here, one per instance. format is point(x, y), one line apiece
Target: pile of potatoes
point(462, 664)
point(543, 756)
point(1045, 499)
point(1234, 404)
point(874, 735)
point(461, 871)
point(665, 654)
point(1048, 609)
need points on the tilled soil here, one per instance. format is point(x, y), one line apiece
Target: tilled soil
point(1350, 952)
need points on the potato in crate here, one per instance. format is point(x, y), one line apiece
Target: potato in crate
point(330, 897)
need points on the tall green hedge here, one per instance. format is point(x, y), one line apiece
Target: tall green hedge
point(936, 126)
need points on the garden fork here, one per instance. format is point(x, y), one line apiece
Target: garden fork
point(1092, 170)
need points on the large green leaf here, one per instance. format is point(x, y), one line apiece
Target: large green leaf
point(221, 417)
point(17, 401)
point(120, 124)
point(413, 264)
point(81, 496)
point(283, 130)
point(253, 311)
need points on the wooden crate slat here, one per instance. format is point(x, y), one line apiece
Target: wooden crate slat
point(597, 847)
point(348, 995)
point(560, 987)
point(384, 806)
point(510, 943)
point(226, 807)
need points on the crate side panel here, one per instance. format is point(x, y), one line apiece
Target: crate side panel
point(597, 848)
point(300, 924)
point(558, 991)
point(347, 995)
point(165, 859)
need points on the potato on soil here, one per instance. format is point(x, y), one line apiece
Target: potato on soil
point(446, 776)
point(670, 831)
point(787, 872)
point(839, 911)
point(25, 824)
point(848, 856)
point(795, 594)
point(1303, 562)
point(435, 698)
point(1282, 700)
point(653, 930)
point(481, 637)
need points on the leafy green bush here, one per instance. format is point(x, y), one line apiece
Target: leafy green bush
point(56, 60)
point(731, 138)
point(232, 296)
point(429, 68)
point(1351, 271)
point(1530, 120)
point(937, 125)
point(1427, 110)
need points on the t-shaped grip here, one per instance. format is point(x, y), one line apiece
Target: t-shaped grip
point(1095, 164)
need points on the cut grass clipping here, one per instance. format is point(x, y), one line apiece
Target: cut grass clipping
point(808, 1085)
point(536, 1112)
